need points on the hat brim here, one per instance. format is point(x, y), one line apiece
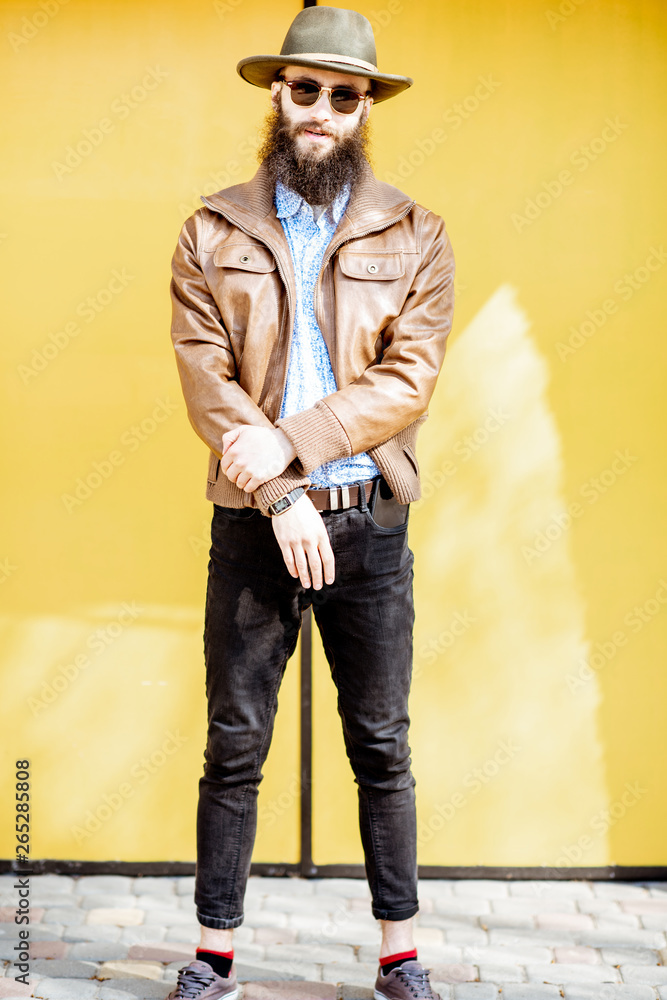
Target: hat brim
point(261, 72)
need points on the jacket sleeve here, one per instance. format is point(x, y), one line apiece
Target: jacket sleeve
point(215, 401)
point(395, 391)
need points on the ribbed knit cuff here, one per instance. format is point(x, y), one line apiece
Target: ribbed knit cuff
point(317, 434)
point(279, 486)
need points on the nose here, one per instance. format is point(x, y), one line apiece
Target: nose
point(321, 109)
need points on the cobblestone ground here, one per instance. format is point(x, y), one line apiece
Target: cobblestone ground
point(115, 938)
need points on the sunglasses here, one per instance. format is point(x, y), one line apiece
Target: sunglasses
point(304, 94)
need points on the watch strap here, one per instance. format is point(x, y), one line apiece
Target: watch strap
point(284, 503)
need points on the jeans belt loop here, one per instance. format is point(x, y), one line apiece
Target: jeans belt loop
point(363, 503)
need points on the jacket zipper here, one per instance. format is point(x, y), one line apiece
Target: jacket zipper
point(330, 253)
point(290, 310)
point(337, 246)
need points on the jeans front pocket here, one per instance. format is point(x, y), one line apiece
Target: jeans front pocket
point(396, 530)
point(235, 513)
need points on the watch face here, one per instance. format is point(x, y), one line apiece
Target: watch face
point(280, 505)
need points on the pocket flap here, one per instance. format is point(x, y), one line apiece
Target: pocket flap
point(245, 256)
point(213, 467)
point(412, 458)
point(372, 266)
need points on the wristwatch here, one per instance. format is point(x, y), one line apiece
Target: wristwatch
point(280, 506)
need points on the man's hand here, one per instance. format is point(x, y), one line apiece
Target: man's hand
point(252, 455)
point(304, 543)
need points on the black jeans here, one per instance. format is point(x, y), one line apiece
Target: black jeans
point(252, 621)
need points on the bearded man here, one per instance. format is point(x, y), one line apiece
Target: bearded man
point(311, 307)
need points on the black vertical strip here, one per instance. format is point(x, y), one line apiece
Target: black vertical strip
point(306, 858)
point(306, 865)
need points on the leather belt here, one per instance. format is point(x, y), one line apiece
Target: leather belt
point(338, 497)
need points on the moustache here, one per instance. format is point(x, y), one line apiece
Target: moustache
point(312, 127)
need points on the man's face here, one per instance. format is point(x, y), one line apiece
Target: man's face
point(317, 129)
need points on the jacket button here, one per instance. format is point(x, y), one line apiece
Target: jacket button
point(372, 268)
point(244, 259)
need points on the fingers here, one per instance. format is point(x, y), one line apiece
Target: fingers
point(246, 481)
point(248, 460)
point(240, 476)
point(305, 545)
point(303, 569)
point(288, 557)
point(327, 557)
point(312, 562)
point(296, 562)
point(229, 437)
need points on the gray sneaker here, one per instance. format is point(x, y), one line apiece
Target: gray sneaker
point(409, 981)
point(198, 981)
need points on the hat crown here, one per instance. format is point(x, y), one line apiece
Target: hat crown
point(331, 29)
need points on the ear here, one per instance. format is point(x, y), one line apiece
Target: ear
point(276, 87)
point(367, 110)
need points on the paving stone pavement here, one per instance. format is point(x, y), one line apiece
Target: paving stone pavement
point(112, 937)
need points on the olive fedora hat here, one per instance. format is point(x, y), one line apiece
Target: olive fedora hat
point(331, 38)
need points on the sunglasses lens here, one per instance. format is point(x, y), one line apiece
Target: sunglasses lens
point(305, 94)
point(344, 101)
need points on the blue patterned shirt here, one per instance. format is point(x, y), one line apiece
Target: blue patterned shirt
point(310, 376)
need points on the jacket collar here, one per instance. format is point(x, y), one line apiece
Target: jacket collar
point(372, 205)
point(289, 203)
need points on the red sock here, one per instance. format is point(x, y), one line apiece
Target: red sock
point(220, 961)
point(390, 962)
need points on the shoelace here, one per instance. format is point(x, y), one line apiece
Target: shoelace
point(192, 982)
point(419, 979)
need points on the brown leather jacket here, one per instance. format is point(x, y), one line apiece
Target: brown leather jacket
point(383, 301)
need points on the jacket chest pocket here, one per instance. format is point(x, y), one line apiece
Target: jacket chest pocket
point(245, 257)
point(370, 292)
point(246, 286)
point(372, 266)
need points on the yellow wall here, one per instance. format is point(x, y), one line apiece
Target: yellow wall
point(554, 655)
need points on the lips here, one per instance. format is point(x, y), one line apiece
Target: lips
point(320, 133)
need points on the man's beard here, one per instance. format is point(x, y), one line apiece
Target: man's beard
point(316, 177)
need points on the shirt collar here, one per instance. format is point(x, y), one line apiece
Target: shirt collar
point(288, 202)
